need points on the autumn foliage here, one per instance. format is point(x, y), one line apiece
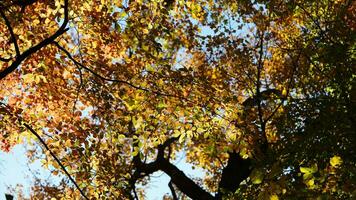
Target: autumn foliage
point(260, 95)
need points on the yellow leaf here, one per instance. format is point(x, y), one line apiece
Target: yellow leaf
point(284, 92)
point(189, 133)
point(66, 74)
point(37, 79)
point(181, 138)
point(55, 165)
point(284, 191)
point(176, 133)
point(68, 143)
point(36, 21)
point(274, 197)
point(200, 130)
point(43, 78)
point(47, 21)
point(138, 122)
point(213, 76)
point(145, 31)
point(27, 78)
point(150, 26)
point(335, 161)
point(135, 151)
point(310, 183)
point(309, 170)
point(304, 169)
point(257, 176)
point(95, 44)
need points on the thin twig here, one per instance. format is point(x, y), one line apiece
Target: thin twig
point(8, 110)
point(112, 80)
point(295, 63)
point(56, 159)
point(258, 85)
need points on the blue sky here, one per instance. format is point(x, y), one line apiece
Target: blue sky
point(14, 169)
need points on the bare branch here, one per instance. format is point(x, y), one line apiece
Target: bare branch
point(171, 187)
point(178, 177)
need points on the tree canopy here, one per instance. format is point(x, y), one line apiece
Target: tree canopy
point(258, 94)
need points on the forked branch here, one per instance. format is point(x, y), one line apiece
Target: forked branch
point(21, 57)
point(178, 177)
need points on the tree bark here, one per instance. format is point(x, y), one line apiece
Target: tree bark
point(184, 183)
point(236, 170)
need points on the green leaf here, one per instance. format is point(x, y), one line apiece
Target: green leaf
point(309, 170)
point(257, 176)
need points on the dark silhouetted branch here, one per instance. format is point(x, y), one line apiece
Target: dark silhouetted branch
point(178, 178)
point(112, 80)
point(171, 187)
point(62, 29)
point(56, 159)
point(236, 170)
point(9, 197)
point(184, 183)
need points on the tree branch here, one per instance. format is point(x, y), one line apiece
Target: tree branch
point(8, 110)
point(56, 159)
point(236, 170)
point(9, 197)
point(109, 79)
point(62, 29)
point(263, 142)
point(258, 84)
point(316, 23)
point(183, 183)
point(284, 98)
point(171, 187)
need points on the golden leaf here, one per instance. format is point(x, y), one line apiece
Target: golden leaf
point(274, 197)
point(335, 161)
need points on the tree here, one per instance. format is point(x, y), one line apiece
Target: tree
point(259, 94)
